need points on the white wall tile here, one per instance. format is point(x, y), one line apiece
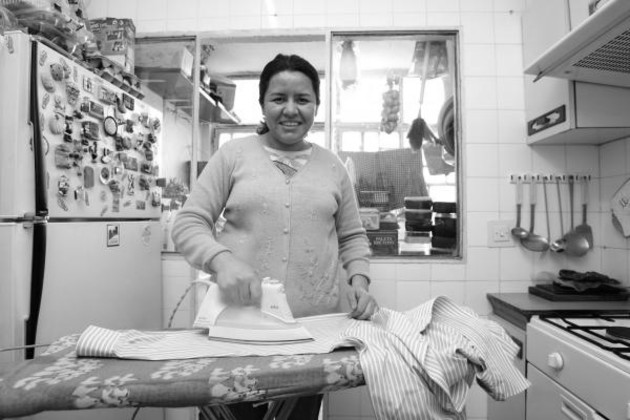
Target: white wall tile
point(516, 264)
point(412, 293)
point(98, 9)
point(509, 5)
point(385, 293)
point(277, 7)
point(342, 6)
point(375, 6)
point(245, 7)
point(454, 290)
point(482, 160)
point(514, 286)
point(123, 9)
point(150, 26)
point(448, 272)
point(445, 20)
point(413, 272)
point(409, 20)
point(478, 28)
point(479, 60)
point(442, 6)
point(414, 6)
point(510, 94)
point(613, 158)
point(476, 6)
point(511, 126)
point(509, 60)
point(188, 26)
point(515, 159)
point(482, 264)
point(480, 126)
point(309, 7)
point(239, 22)
point(615, 262)
point(476, 295)
point(214, 24)
point(309, 21)
point(549, 159)
point(212, 8)
point(482, 194)
point(480, 93)
point(277, 21)
point(152, 10)
point(376, 20)
point(507, 28)
point(342, 20)
point(182, 9)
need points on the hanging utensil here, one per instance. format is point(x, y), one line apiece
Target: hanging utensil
point(584, 229)
point(533, 241)
point(544, 182)
point(517, 231)
point(559, 244)
point(576, 244)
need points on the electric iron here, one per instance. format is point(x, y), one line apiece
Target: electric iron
point(271, 323)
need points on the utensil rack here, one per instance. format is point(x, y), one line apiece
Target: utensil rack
point(539, 177)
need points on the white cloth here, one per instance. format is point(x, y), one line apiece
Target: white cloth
point(417, 365)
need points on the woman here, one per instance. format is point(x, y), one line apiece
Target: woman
point(290, 213)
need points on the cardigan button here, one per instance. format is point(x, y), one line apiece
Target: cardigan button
point(287, 205)
point(284, 259)
point(288, 181)
point(286, 230)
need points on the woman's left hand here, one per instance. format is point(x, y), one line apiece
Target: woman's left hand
point(361, 301)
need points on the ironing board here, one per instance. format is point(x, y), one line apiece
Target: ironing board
point(59, 380)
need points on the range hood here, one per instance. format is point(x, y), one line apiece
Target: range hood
point(596, 51)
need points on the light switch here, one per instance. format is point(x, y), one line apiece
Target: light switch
point(499, 234)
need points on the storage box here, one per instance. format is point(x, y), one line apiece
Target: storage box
point(383, 242)
point(116, 40)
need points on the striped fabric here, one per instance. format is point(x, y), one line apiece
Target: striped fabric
point(417, 365)
point(188, 344)
point(420, 364)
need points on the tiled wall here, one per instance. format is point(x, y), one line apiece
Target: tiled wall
point(493, 145)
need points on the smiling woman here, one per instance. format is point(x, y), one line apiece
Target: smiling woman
point(396, 124)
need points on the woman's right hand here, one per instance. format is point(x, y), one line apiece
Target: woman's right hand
point(237, 280)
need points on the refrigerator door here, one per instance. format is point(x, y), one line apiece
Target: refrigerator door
point(17, 185)
point(15, 274)
point(102, 273)
point(102, 143)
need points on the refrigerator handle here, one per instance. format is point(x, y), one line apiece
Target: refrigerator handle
point(37, 284)
point(41, 197)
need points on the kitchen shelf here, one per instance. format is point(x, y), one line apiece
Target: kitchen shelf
point(174, 87)
point(596, 51)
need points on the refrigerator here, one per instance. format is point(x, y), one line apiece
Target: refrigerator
point(80, 237)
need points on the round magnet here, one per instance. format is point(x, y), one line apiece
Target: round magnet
point(110, 126)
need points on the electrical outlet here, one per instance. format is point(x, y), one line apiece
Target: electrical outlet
point(499, 234)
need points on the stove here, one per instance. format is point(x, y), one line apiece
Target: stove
point(579, 367)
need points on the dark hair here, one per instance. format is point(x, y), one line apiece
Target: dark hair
point(282, 63)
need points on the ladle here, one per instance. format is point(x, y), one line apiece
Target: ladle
point(584, 229)
point(517, 231)
point(559, 244)
point(576, 244)
point(532, 241)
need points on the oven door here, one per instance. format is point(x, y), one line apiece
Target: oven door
point(550, 401)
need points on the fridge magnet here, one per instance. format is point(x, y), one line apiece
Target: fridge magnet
point(62, 156)
point(105, 175)
point(45, 100)
point(116, 203)
point(88, 177)
point(42, 58)
point(63, 185)
point(140, 205)
point(88, 84)
point(620, 207)
point(48, 82)
point(113, 235)
point(72, 93)
point(56, 71)
point(56, 124)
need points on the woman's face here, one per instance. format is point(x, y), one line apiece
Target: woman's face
point(289, 107)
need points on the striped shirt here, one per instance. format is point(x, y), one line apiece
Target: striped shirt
point(418, 365)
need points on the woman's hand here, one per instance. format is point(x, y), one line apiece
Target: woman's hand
point(237, 280)
point(361, 301)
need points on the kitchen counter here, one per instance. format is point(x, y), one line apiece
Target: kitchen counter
point(518, 308)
